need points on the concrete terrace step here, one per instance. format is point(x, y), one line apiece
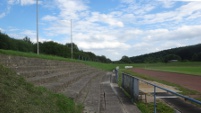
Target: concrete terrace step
point(31, 68)
point(44, 72)
point(53, 77)
point(74, 90)
point(13, 61)
point(61, 84)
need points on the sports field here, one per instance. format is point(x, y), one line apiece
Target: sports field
point(184, 80)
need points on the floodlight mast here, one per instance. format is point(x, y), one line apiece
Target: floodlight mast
point(71, 39)
point(37, 26)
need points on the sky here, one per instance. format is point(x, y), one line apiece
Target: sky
point(112, 28)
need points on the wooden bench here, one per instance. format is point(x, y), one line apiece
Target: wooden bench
point(141, 93)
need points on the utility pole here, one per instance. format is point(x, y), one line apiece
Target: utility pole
point(37, 26)
point(71, 39)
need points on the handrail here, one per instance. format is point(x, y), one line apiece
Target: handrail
point(180, 95)
point(170, 91)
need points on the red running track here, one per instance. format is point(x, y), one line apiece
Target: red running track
point(188, 81)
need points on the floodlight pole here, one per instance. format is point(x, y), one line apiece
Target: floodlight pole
point(37, 26)
point(71, 39)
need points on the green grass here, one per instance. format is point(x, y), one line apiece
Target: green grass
point(18, 96)
point(33, 55)
point(149, 107)
point(193, 68)
point(182, 69)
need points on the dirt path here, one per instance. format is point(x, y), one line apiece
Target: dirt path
point(188, 81)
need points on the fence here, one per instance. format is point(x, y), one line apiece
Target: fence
point(131, 85)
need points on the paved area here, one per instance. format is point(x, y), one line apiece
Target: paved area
point(113, 100)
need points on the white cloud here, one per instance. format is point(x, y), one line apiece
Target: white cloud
point(2, 15)
point(160, 39)
point(11, 2)
point(1, 30)
point(186, 0)
point(103, 45)
point(27, 2)
point(23, 2)
point(127, 1)
point(104, 18)
point(49, 18)
point(69, 9)
point(188, 10)
point(168, 3)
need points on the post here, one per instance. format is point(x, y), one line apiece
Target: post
point(37, 26)
point(116, 73)
point(155, 99)
point(136, 88)
point(71, 39)
point(122, 81)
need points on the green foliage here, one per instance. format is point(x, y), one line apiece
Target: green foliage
point(188, 53)
point(49, 48)
point(196, 57)
point(13, 44)
point(149, 107)
point(53, 48)
point(18, 96)
point(126, 59)
point(170, 57)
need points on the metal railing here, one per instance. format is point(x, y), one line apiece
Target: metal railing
point(131, 85)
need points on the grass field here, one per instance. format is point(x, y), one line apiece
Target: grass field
point(181, 69)
point(193, 68)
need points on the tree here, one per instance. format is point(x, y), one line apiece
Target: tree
point(196, 57)
point(126, 59)
point(27, 39)
point(170, 57)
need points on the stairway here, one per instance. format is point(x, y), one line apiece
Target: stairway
point(68, 78)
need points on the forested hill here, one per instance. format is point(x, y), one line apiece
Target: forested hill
point(187, 53)
point(48, 47)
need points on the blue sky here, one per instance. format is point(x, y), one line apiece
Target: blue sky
point(106, 27)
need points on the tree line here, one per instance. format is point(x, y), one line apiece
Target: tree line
point(49, 48)
point(187, 53)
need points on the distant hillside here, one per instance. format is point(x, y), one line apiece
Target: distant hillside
point(187, 53)
point(49, 48)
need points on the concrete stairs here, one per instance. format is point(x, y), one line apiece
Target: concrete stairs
point(69, 78)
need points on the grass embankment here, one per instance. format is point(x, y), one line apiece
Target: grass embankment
point(104, 66)
point(33, 55)
point(18, 96)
